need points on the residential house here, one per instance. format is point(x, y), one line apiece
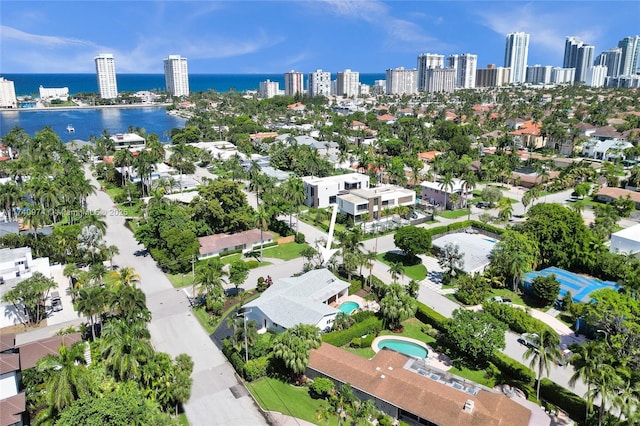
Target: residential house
point(610, 195)
point(408, 390)
point(428, 156)
point(528, 135)
point(528, 180)
point(298, 106)
point(626, 241)
point(215, 245)
point(606, 150)
point(127, 140)
point(437, 194)
point(374, 201)
point(322, 192)
point(306, 299)
point(18, 263)
point(323, 148)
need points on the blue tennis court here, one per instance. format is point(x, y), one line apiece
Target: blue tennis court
point(579, 285)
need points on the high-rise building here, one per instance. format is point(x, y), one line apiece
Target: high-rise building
point(595, 76)
point(319, 83)
point(401, 81)
point(539, 74)
point(269, 89)
point(7, 94)
point(293, 83)
point(427, 61)
point(465, 66)
point(563, 75)
point(106, 72)
point(585, 60)
point(348, 83)
point(611, 59)
point(492, 76)
point(571, 46)
point(516, 53)
point(176, 75)
point(379, 87)
point(630, 51)
point(440, 80)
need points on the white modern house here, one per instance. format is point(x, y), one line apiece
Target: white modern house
point(626, 241)
point(605, 149)
point(437, 194)
point(19, 263)
point(373, 201)
point(322, 192)
point(305, 299)
point(128, 141)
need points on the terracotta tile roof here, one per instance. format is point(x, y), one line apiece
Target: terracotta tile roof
point(527, 128)
point(384, 377)
point(616, 193)
point(357, 123)
point(7, 341)
point(263, 135)
point(429, 155)
point(296, 105)
point(31, 353)
point(386, 117)
point(382, 108)
point(218, 242)
point(9, 363)
point(11, 409)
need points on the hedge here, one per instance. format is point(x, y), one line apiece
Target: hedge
point(516, 319)
point(427, 315)
point(363, 342)
point(343, 337)
point(234, 358)
point(566, 400)
point(256, 368)
point(512, 368)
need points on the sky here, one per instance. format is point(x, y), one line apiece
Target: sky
point(268, 36)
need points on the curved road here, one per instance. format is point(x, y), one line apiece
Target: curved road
point(175, 330)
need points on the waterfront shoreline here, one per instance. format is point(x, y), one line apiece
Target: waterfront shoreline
point(71, 108)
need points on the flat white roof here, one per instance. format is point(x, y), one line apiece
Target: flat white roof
point(347, 177)
point(631, 233)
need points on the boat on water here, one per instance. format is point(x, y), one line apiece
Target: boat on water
point(70, 129)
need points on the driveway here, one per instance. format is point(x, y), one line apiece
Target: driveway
point(175, 330)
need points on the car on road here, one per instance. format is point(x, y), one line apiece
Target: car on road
point(500, 299)
point(483, 205)
point(529, 340)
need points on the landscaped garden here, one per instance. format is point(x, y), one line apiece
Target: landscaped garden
point(413, 267)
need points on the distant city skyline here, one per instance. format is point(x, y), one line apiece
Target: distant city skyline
point(278, 36)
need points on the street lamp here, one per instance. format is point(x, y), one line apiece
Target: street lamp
point(246, 343)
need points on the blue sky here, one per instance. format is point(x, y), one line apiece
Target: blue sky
point(276, 36)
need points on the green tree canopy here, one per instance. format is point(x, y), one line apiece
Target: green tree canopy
point(29, 296)
point(396, 306)
point(546, 289)
point(412, 240)
point(475, 334)
point(294, 345)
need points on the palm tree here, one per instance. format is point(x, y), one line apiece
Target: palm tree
point(296, 196)
point(96, 219)
point(396, 306)
point(447, 184)
point(606, 382)
point(130, 303)
point(370, 257)
point(294, 345)
point(125, 347)
point(209, 279)
point(69, 379)
point(91, 302)
point(10, 196)
point(261, 218)
point(126, 276)
point(396, 269)
point(542, 353)
point(506, 212)
point(526, 200)
point(112, 251)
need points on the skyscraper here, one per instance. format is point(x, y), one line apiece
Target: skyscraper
point(106, 72)
point(584, 61)
point(440, 80)
point(516, 54)
point(401, 81)
point(539, 74)
point(427, 61)
point(630, 50)
point(176, 75)
point(465, 66)
point(7, 94)
point(571, 46)
point(348, 83)
point(595, 76)
point(611, 59)
point(319, 83)
point(293, 83)
point(269, 89)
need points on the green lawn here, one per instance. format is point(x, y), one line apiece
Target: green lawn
point(203, 318)
point(453, 214)
point(477, 376)
point(274, 395)
point(285, 251)
point(182, 419)
point(180, 280)
point(416, 272)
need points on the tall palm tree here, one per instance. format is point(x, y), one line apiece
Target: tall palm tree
point(10, 197)
point(91, 302)
point(606, 382)
point(69, 379)
point(370, 257)
point(130, 303)
point(96, 219)
point(111, 251)
point(396, 269)
point(209, 279)
point(542, 353)
point(447, 184)
point(295, 195)
point(125, 347)
point(261, 220)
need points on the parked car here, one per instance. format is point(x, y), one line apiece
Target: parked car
point(499, 299)
point(483, 205)
point(529, 340)
point(56, 302)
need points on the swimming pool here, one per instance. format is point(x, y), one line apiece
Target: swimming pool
point(491, 240)
point(348, 307)
point(408, 347)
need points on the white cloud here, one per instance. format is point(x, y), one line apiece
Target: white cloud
point(10, 33)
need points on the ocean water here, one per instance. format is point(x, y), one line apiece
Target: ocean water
point(28, 84)
point(92, 121)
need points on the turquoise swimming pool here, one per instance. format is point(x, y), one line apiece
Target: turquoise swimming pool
point(348, 307)
point(404, 347)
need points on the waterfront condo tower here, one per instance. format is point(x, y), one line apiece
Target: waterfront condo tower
point(293, 83)
point(401, 81)
point(106, 72)
point(176, 75)
point(630, 51)
point(7, 94)
point(578, 55)
point(348, 83)
point(427, 61)
point(516, 54)
point(465, 66)
point(319, 83)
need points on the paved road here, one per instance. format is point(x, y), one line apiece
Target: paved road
point(174, 330)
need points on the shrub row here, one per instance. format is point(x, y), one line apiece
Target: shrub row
point(455, 226)
point(516, 319)
point(363, 342)
point(429, 316)
point(567, 401)
point(251, 370)
point(512, 368)
point(341, 338)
